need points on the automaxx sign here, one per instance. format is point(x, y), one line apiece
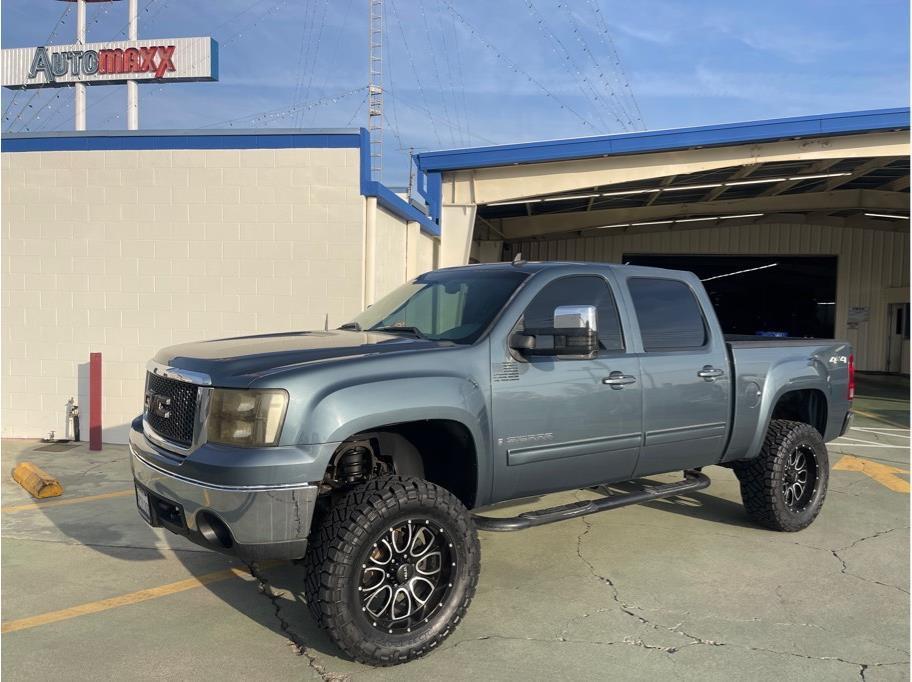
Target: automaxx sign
point(176, 59)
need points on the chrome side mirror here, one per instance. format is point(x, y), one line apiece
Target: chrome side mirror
point(573, 336)
point(576, 317)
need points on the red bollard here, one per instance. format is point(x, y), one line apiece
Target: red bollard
point(94, 401)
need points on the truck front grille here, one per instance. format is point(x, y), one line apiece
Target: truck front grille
point(170, 408)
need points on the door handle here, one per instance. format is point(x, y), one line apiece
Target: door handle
point(710, 373)
point(617, 380)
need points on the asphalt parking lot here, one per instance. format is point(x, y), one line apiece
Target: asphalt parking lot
point(685, 588)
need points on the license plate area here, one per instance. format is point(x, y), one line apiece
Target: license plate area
point(158, 511)
point(142, 503)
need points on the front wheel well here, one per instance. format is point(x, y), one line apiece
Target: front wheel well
point(441, 451)
point(808, 406)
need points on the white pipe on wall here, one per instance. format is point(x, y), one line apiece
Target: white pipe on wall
point(79, 92)
point(370, 250)
point(132, 87)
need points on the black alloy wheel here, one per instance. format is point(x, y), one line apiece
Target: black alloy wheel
point(784, 486)
point(799, 479)
point(406, 577)
point(391, 569)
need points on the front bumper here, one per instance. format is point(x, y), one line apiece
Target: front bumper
point(250, 522)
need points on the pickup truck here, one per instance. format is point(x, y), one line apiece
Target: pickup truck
point(361, 450)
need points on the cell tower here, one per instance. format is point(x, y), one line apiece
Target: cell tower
point(375, 89)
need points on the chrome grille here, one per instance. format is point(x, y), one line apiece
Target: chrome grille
point(170, 408)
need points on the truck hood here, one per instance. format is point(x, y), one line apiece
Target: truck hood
point(238, 361)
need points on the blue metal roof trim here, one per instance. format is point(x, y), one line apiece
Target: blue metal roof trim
point(665, 140)
point(388, 199)
point(330, 138)
point(280, 138)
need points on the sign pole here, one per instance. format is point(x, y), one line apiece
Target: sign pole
point(132, 85)
point(80, 92)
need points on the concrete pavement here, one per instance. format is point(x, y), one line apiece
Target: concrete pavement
point(685, 588)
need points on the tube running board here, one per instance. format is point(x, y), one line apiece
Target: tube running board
point(693, 480)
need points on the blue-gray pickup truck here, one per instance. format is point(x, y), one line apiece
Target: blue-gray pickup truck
point(361, 450)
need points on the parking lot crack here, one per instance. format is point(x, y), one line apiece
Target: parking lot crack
point(862, 667)
point(631, 609)
point(845, 567)
point(589, 564)
point(297, 644)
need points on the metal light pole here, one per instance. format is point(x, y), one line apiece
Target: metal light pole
point(132, 89)
point(80, 92)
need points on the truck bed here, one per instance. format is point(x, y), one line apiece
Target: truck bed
point(765, 368)
point(752, 341)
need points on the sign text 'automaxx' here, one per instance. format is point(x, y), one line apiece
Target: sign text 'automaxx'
point(157, 59)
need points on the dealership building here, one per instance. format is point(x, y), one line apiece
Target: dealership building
point(121, 243)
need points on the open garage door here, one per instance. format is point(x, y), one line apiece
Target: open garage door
point(793, 296)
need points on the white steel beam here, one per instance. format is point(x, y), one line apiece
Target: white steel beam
point(506, 183)
point(856, 199)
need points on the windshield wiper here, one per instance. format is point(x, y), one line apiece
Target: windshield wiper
point(351, 326)
point(414, 331)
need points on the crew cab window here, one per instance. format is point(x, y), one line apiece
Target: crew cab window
point(578, 290)
point(669, 315)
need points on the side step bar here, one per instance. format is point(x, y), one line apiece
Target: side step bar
point(693, 480)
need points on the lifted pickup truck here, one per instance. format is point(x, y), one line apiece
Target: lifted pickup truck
point(360, 450)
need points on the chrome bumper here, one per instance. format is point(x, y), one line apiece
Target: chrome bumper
point(262, 522)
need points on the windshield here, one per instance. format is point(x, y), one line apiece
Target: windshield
point(447, 305)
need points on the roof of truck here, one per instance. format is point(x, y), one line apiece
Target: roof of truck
point(537, 266)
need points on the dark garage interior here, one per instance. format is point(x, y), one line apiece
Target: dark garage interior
point(790, 296)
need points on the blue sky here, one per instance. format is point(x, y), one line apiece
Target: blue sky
point(469, 72)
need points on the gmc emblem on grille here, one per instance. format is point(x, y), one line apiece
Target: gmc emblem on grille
point(158, 405)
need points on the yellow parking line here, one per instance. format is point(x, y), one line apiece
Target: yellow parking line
point(31, 506)
point(127, 599)
point(884, 474)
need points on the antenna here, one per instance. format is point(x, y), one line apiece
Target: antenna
point(375, 89)
point(517, 259)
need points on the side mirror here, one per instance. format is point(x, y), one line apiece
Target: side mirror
point(522, 342)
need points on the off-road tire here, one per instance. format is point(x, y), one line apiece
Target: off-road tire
point(340, 547)
point(763, 478)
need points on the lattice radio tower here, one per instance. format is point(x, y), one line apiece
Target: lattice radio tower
point(375, 89)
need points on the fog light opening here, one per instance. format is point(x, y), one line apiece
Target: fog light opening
point(214, 530)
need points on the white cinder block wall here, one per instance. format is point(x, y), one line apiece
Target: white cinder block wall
point(392, 237)
point(123, 252)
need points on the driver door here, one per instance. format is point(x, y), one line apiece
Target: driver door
point(559, 422)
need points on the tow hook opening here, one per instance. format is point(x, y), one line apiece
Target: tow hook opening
point(214, 530)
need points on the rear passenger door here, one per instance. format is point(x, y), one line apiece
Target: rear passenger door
point(684, 371)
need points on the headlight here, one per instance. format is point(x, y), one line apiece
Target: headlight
point(246, 418)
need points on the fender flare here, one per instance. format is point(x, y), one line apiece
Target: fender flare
point(364, 406)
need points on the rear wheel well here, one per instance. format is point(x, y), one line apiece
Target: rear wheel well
point(441, 451)
point(808, 406)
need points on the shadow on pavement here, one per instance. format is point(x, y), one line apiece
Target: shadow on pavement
point(698, 505)
point(113, 527)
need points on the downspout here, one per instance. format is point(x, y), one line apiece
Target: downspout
point(370, 249)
